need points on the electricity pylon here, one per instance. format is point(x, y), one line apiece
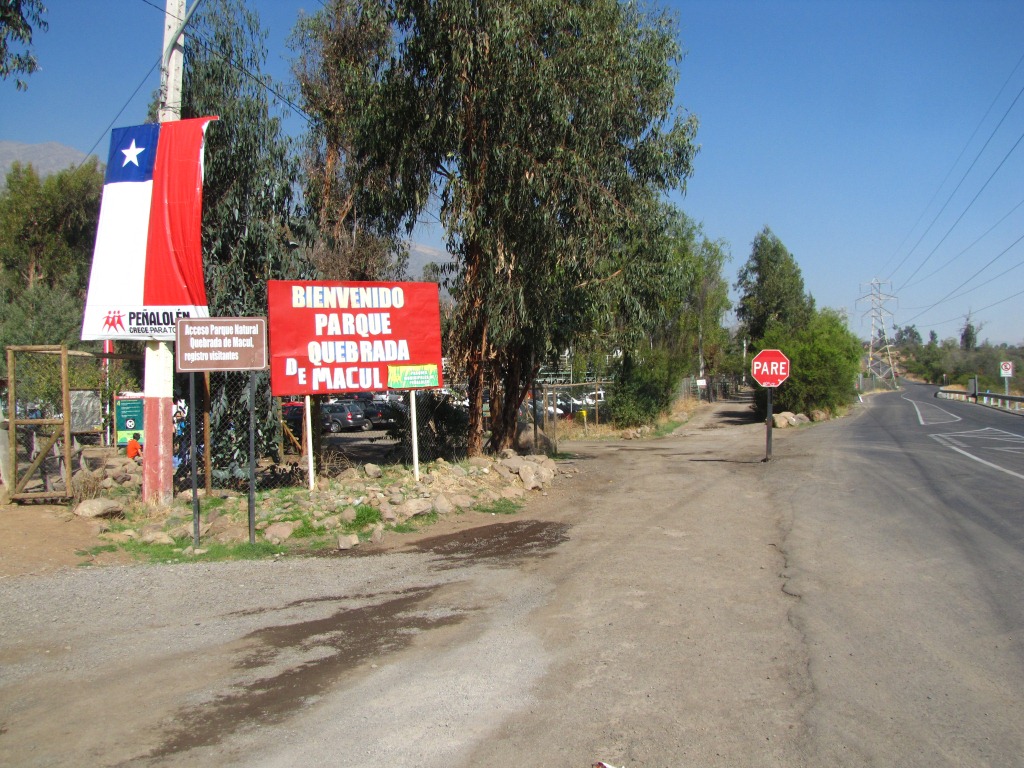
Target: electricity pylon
point(880, 364)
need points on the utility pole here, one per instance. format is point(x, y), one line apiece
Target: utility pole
point(880, 318)
point(158, 465)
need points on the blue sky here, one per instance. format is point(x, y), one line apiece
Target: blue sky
point(855, 130)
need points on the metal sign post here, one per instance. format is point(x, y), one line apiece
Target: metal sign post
point(769, 368)
point(222, 344)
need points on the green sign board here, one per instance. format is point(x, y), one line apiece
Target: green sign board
point(128, 418)
point(412, 376)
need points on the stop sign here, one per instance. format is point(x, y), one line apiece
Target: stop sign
point(769, 367)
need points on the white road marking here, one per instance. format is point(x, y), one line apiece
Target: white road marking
point(1015, 444)
point(920, 416)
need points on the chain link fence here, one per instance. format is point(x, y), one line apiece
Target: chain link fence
point(346, 431)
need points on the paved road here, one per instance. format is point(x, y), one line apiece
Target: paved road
point(907, 551)
point(681, 603)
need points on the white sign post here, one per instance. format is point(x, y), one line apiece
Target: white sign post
point(1006, 371)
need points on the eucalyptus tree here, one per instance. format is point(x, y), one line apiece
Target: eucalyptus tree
point(341, 52)
point(547, 129)
point(250, 211)
point(249, 206)
point(47, 231)
point(18, 20)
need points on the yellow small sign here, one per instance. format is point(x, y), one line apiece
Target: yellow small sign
point(412, 376)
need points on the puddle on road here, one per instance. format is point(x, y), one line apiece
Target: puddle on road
point(334, 645)
point(500, 541)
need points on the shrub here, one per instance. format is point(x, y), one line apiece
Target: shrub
point(824, 360)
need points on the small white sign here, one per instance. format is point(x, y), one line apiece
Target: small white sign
point(1006, 369)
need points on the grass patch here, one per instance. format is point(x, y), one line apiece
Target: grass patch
point(414, 524)
point(365, 517)
point(173, 553)
point(666, 428)
point(501, 507)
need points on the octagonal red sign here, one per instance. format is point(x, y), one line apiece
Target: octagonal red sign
point(769, 367)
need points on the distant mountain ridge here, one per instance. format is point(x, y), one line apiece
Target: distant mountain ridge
point(45, 158)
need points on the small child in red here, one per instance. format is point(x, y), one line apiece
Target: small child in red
point(135, 447)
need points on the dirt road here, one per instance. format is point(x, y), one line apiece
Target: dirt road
point(635, 615)
point(640, 614)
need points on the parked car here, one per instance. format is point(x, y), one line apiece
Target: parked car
point(343, 417)
point(294, 414)
point(592, 398)
point(570, 406)
point(361, 397)
point(380, 414)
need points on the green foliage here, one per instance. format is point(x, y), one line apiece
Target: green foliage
point(47, 231)
point(18, 18)
point(644, 388)
point(947, 363)
point(547, 130)
point(500, 507)
point(341, 50)
point(771, 290)
point(907, 337)
point(824, 360)
point(249, 210)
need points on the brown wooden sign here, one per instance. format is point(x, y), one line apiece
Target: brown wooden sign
point(221, 344)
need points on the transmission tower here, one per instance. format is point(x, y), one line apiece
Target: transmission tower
point(879, 349)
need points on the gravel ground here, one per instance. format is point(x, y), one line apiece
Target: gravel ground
point(635, 615)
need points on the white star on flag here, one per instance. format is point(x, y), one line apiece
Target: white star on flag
point(131, 155)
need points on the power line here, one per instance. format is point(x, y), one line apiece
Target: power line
point(953, 193)
point(120, 112)
point(989, 306)
point(965, 282)
point(211, 48)
point(951, 168)
point(964, 212)
point(965, 250)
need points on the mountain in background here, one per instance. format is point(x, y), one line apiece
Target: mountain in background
point(45, 158)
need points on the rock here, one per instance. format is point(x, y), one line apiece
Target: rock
point(513, 462)
point(330, 523)
point(545, 475)
point(802, 418)
point(99, 508)
point(819, 415)
point(413, 507)
point(348, 514)
point(278, 532)
point(505, 473)
point(528, 474)
point(156, 537)
point(348, 541)
point(461, 500)
point(779, 421)
point(372, 471)
point(513, 492)
point(378, 534)
point(480, 461)
point(442, 505)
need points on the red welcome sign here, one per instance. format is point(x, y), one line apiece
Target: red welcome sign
point(332, 337)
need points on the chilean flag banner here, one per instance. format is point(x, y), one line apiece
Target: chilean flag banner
point(147, 266)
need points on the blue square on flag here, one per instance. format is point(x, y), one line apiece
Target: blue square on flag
point(132, 153)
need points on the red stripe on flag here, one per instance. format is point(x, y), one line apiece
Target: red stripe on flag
point(174, 249)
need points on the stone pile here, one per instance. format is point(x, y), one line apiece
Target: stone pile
point(443, 488)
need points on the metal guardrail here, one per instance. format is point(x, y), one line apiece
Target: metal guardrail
point(991, 399)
